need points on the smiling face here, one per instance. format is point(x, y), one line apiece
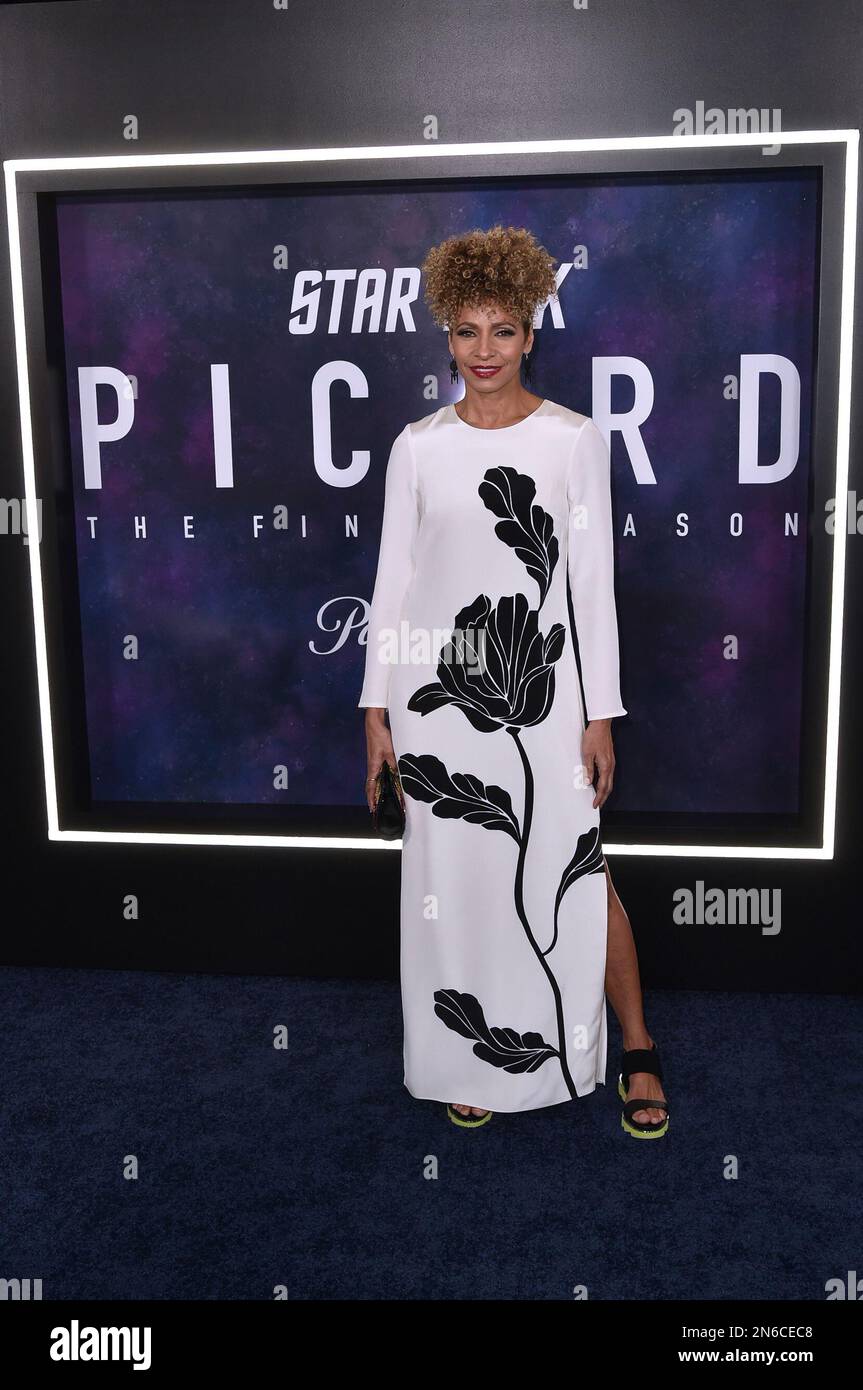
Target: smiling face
point(487, 343)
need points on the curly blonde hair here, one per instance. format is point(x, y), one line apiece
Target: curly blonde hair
point(504, 266)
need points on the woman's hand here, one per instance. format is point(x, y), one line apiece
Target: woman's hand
point(597, 751)
point(379, 747)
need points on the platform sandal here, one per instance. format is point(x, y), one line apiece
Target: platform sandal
point(641, 1059)
point(468, 1121)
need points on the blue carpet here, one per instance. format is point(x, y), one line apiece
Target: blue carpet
point(260, 1168)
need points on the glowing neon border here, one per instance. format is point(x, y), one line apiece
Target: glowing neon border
point(850, 138)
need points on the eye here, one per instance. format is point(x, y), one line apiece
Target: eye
point(467, 332)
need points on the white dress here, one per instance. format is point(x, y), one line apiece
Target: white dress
point(504, 905)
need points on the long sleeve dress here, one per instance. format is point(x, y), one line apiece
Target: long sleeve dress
point(504, 906)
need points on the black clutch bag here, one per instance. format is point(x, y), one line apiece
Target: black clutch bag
point(388, 817)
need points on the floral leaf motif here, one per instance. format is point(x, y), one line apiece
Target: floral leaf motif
point(527, 528)
point(502, 1047)
point(586, 860)
point(459, 796)
point(498, 667)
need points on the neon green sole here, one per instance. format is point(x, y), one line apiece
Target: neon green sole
point(473, 1123)
point(630, 1129)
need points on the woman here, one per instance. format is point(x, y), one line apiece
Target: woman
point(511, 931)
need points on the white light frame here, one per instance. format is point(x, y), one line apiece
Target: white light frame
point(850, 138)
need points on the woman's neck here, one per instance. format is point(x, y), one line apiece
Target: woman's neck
point(496, 411)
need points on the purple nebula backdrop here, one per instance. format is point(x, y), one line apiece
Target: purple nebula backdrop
point(249, 654)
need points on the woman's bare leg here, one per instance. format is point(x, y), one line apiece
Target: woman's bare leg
point(623, 988)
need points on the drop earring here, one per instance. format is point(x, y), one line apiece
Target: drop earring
point(453, 370)
point(525, 357)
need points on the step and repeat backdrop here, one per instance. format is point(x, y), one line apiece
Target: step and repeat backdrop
point(237, 366)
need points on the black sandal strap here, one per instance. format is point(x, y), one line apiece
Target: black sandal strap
point(631, 1106)
point(640, 1059)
